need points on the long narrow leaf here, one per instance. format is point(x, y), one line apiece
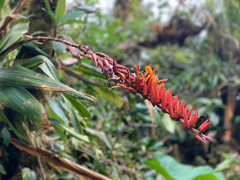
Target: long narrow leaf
point(56, 124)
point(56, 111)
point(23, 102)
point(60, 9)
point(43, 63)
point(79, 107)
point(71, 17)
point(13, 35)
point(19, 135)
point(22, 77)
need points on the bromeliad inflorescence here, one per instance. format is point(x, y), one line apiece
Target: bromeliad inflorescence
point(151, 88)
point(148, 85)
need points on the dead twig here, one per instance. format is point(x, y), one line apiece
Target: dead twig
point(62, 163)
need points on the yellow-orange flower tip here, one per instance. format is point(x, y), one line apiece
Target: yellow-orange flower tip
point(137, 67)
point(156, 67)
point(120, 85)
point(148, 69)
point(113, 87)
point(162, 80)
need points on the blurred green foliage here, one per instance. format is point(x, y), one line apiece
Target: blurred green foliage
point(116, 135)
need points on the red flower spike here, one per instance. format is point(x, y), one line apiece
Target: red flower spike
point(94, 58)
point(200, 138)
point(181, 107)
point(171, 112)
point(127, 82)
point(161, 91)
point(144, 86)
point(156, 67)
point(115, 79)
point(162, 80)
point(153, 92)
point(149, 70)
point(186, 123)
point(109, 59)
point(152, 97)
point(129, 89)
point(176, 109)
point(164, 104)
point(193, 120)
point(105, 62)
point(137, 81)
point(208, 138)
point(188, 116)
point(168, 97)
point(205, 122)
point(82, 54)
point(133, 91)
point(123, 71)
point(157, 100)
point(114, 67)
point(184, 113)
point(100, 63)
point(120, 66)
point(147, 86)
point(175, 100)
point(121, 75)
point(101, 55)
point(114, 87)
point(137, 71)
point(128, 74)
point(204, 126)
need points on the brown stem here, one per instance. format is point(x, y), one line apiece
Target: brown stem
point(229, 112)
point(63, 163)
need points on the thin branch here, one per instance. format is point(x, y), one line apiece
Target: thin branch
point(62, 163)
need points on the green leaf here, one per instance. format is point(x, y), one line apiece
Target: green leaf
point(182, 56)
point(23, 102)
point(60, 9)
point(43, 63)
point(49, 11)
point(2, 170)
point(206, 177)
point(13, 35)
point(73, 16)
point(154, 164)
point(19, 135)
point(59, 47)
point(6, 136)
point(168, 123)
point(1, 4)
point(90, 70)
point(19, 125)
point(56, 111)
point(101, 135)
point(172, 170)
point(22, 77)
point(61, 127)
point(79, 107)
point(73, 116)
point(28, 174)
point(76, 122)
point(36, 49)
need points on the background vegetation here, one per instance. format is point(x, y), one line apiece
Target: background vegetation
point(58, 118)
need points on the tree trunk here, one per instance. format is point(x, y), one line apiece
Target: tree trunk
point(41, 22)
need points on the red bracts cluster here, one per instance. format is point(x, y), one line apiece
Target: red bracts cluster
point(151, 88)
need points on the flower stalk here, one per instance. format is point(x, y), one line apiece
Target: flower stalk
point(151, 88)
point(148, 85)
